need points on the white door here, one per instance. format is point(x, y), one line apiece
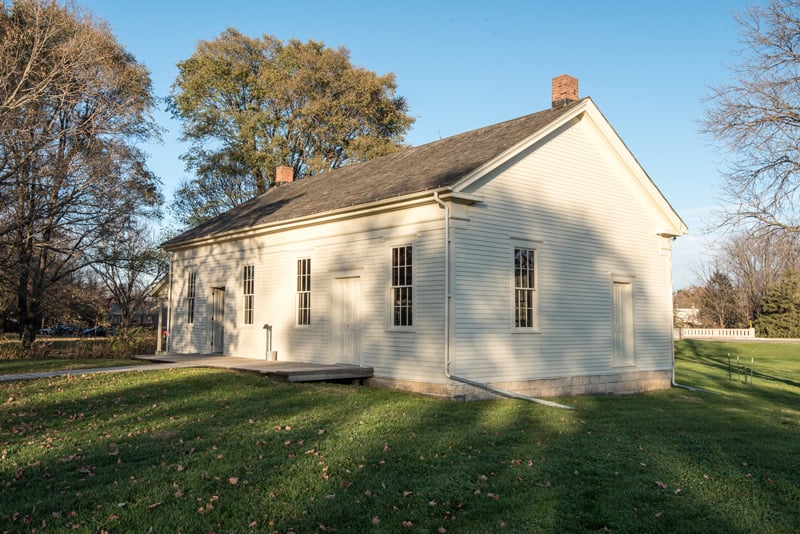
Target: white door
point(346, 320)
point(217, 319)
point(622, 324)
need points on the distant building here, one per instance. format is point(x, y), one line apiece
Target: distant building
point(689, 316)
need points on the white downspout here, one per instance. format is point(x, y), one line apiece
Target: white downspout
point(446, 282)
point(672, 329)
point(447, 296)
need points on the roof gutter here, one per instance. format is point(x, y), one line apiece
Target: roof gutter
point(350, 212)
point(447, 321)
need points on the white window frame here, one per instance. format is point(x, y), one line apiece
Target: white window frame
point(248, 293)
point(532, 286)
point(303, 293)
point(191, 297)
point(406, 276)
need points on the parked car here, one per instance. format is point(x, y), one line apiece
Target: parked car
point(95, 331)
point(66, 330)
point(45, 331)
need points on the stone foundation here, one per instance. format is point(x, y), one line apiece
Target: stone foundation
point(611, 384)
point(425, 388)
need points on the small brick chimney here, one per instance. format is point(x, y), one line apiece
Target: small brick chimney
point(284, 175)
point(565, 90)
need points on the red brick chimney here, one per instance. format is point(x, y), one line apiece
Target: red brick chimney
point(565, 90)
point(284, 175)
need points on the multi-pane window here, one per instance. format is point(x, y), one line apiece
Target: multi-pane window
point(248, 290)
point(524, 288)
point(402, 288)
point(304, 291)
point(190, 293)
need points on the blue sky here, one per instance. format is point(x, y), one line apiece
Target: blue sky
point(466, 64)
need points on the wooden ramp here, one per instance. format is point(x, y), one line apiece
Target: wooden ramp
point(277, 370)
point(319, 373)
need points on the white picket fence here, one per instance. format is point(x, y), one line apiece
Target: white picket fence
point(686, 333)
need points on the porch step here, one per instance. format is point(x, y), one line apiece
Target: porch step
point(319, 374)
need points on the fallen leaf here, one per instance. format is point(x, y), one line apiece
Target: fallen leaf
point(407, 493)
point(408, 524)
point(154, 505)
point(376, 520)
point(233, 481)
point(661, 484)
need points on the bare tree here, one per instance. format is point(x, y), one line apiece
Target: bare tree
point(757, 116)
point(757, 263)
point(73, 104)
point(129, 266)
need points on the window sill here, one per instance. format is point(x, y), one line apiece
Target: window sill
point(401, 330)
point(526, 331)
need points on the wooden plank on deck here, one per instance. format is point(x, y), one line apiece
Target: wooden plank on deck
point(321, 374)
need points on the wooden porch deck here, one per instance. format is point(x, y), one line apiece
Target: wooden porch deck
point(278, 370)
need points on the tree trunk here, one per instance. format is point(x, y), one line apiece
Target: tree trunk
point(25, 308)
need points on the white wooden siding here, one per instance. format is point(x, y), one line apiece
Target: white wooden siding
point(359, 247)
point(571, 196)
point(591, 220)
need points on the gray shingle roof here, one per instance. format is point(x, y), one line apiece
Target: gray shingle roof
point(426, 167)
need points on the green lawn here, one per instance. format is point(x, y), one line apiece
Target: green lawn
point(197, 450)
point(10, 367)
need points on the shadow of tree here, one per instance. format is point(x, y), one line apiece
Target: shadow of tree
point(210, 450)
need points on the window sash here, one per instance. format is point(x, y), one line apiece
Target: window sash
point(304, 291)
point(402, 290)
point(524, 287)
point(248, 291)
point(190, 295)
